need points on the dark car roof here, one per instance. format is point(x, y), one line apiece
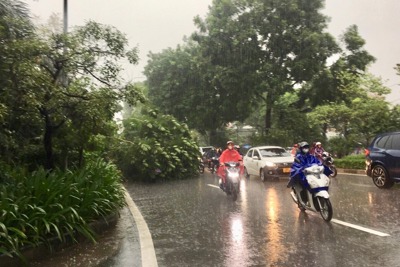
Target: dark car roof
point(383, 134)
point(388, 133)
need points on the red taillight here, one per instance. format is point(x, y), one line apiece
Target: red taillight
point(366, 152)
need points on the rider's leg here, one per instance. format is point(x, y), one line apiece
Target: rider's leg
point(221, 174)
point(291, 182)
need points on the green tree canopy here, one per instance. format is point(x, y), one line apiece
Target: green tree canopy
point(263, 49)
point(61, 91)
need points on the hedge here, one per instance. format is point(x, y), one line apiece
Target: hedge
point(351, 162)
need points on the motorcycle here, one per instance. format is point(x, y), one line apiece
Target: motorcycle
point(232, 172)
point(327, 160)
point(313, 194)
point(214, 163)
point(201, 166)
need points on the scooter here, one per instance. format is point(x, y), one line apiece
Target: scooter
point(328, 161)
point(232, 172)
point(214, 163)
point(312, 194)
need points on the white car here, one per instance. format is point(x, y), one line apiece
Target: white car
point(205, 149)
point(267, 162)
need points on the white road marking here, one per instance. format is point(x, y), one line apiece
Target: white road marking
point(148, 253)
point(361, 228)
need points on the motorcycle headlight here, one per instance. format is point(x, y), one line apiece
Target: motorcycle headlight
point(234, 175)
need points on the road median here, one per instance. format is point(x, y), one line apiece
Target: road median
point(353, 171)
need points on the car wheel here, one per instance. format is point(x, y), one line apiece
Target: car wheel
point(246, 174)
point(380, 177)
point(262, 175)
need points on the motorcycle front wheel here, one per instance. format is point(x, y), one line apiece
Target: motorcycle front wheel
point(334, 171)
point(325, 208)
point(234, 193)
point(201, 168)
point(215, 168)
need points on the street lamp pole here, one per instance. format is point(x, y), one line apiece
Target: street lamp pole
point(64, 77)
point(65, 16)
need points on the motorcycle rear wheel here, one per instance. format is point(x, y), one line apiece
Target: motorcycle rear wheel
point(325, 209)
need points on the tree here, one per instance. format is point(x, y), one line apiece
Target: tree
point(68, 88)
point(352, 59)
point(17, 52)
point(89, 57)
point(362, 113)
point(14, 19)
point(179, 85)
point(262, 49)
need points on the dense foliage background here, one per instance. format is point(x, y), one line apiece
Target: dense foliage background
point(273, 65)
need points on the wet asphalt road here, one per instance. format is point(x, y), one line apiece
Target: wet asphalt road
point(193, 223)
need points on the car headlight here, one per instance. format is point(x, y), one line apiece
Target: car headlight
point(270, 164)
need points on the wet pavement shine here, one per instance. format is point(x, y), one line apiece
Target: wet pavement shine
point(193, 223)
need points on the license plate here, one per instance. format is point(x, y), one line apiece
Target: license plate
point(286, 170)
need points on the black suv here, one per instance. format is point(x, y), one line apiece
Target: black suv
point(383, 159)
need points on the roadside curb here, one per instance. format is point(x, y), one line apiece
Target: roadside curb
point(42, 251)
point(148, 253)
point(354, 171)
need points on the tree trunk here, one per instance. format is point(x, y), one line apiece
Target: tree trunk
point(213, 137)
point(47, 141)
point(80, 164)
point(268, 113)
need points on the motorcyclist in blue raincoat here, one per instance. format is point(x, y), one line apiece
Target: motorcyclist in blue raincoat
point(303, 160)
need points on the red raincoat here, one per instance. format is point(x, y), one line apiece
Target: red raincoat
point(226, 156)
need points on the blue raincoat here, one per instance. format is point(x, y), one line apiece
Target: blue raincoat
point(305, 161)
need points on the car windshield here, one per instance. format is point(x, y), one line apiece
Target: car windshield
point(274, 152)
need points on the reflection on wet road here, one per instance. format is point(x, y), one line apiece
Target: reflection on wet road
point(195, 224)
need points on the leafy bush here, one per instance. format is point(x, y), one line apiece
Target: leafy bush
point(156, 146)
point(41, 205)
point(351, 162)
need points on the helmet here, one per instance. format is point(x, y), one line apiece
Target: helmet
point(229, 142)
point(304, 147)
point(304, 144)
point(318, 143)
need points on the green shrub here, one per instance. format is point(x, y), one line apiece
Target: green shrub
point(156, 146)
point(40, 205)
point(351, 162)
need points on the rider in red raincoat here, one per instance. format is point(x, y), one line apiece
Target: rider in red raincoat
point(229, 154)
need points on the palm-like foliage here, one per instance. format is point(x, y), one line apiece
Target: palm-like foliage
point(41, 205)
point(14, 8)
point(14, 19)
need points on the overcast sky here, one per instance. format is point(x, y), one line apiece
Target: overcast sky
point(154, 25)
